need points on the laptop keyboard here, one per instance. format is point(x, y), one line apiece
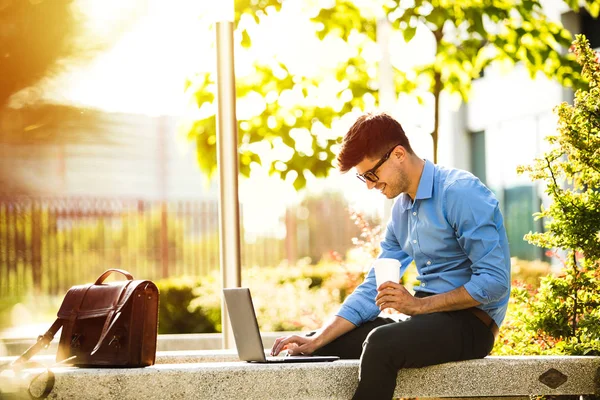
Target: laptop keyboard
point(276, 359)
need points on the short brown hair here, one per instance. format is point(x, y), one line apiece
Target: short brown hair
point(371, 136)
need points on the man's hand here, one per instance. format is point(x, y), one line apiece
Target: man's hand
point(295, 345)
point(298, 345)
point(394, 295)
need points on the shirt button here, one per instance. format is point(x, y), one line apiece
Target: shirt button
point(414, 213)
point(429, 262)
point(424, 284)
point(414, 241)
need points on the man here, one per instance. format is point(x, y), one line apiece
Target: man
point(450, 224)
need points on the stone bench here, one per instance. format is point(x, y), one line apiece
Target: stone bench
point(489, 377)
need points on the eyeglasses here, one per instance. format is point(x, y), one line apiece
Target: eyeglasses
point(370, 175)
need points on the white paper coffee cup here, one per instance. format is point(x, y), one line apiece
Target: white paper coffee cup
point(386, 269)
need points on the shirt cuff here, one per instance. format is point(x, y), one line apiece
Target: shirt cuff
point(477, 293)
point(350, 315)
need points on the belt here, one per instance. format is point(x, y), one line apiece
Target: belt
point(486, 319)
point(482, 315)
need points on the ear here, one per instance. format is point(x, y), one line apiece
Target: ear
point(399, 153)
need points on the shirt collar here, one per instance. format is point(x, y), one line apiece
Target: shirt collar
point(425, 188)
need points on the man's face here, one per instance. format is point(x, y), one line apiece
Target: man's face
point(393, 178)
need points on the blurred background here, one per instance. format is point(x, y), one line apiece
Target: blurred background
point(108, 139)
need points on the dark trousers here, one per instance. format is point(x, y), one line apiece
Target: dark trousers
point(385, 346)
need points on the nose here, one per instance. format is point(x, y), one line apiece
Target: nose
point(370, 185)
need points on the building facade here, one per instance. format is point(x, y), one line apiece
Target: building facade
point(504, 125)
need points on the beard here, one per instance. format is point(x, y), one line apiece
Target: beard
point(395, 185)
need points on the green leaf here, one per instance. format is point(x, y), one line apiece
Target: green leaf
point(531, 58)
point(574, 4)
point(409, 33)
point(246, 41)
point(528, 5)
point(593, 6)
point(299, 182)
point(437, 17)
point(477, 24)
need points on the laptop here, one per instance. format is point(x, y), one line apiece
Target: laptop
point(247, 336)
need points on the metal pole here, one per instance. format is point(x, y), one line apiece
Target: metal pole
point(227, 162)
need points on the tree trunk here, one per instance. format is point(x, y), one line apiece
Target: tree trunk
point(437, 90)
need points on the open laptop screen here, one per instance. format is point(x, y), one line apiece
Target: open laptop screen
point(247, 335)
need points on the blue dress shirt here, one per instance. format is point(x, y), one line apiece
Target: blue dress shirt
point(454, 232)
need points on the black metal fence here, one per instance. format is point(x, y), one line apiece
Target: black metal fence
point(50, 244)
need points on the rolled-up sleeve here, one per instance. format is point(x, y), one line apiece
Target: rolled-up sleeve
point(360, 306)
point(474, 214)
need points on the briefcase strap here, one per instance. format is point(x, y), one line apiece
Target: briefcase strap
point(112, 317)
point(114, 314)
point(42, 342)
point(23, 361)
point(106, 273)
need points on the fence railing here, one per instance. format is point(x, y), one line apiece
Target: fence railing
point(50, 244)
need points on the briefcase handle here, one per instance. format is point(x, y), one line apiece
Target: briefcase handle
point(106, 273)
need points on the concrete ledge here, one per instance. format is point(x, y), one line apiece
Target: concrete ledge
point(490, 377)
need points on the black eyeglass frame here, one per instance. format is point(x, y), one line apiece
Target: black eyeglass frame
point(371, 175)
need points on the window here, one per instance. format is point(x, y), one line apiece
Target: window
point(478, 155)
point(590, 27)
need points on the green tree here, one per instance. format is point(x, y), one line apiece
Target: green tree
point(566, 308)
point(284, 124)
point(469, 35)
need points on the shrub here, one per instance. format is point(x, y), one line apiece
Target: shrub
point(562, 316)
point(175, 314)
point(540, 320)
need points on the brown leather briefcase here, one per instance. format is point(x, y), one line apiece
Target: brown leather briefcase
point(105, 324)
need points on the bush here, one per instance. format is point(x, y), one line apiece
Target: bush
point(562, 316)
point(175, 314)
point(540, 320)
